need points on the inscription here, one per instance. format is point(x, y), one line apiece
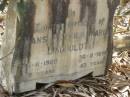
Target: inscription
point(84, 31)
point(70, 48)
point(71, 24)
point(89, 60)
point(85, 61)
point(46, 66)
point(70, 35)
point(38, 40)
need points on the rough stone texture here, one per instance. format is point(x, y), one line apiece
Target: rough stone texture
point(56, 40)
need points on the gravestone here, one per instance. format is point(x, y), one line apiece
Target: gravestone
point(49, 40)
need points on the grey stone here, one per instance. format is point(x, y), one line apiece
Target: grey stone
point(56, 40)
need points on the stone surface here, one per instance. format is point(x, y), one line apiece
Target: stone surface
point(56, 40)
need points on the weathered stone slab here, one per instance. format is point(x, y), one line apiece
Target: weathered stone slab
point(56, 40)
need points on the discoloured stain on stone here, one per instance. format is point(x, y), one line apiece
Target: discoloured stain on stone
point(112, 4)
point(59, 16)
point(25, 30)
